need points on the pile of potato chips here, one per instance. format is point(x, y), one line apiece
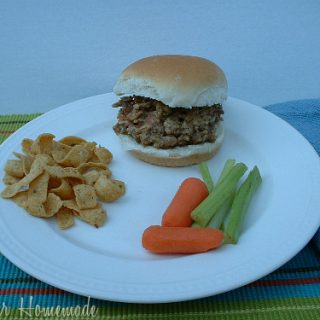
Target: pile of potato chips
point(62, 179)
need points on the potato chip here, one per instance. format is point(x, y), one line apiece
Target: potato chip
point(36, 169)
point(38, 189)
point(85, 196)
point(89, 165)
point(90, 146)
point(62, 179)
point(72, 140)
point(92, 176)
point(26, 161)
point(70, 204)
point(59, 150)
point(94, 159)
point(43, 144)
point(73, 182)
point(8, 180)
point(65, 218)
point(58, 155)
point(52, 205)
point(54, 183)
point(14, 168)
point(47, 209)
point(26, 146)
point(109, 190)
point(96, 216)
point(76, 156)
point(19, 155)
point(36, 209)
point(59, 172)
point(103, 154)
point(63, 190)
point(21, 199)
point(26, 164)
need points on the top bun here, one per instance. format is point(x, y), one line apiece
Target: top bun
point(175, 80)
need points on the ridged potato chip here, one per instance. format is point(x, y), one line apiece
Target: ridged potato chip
point(36, 169)
point(94, 159)
point(43, 144)
point(59, 172)
point(62, 179)
point(76, 156)
point(36, 209)
point(103, 154)
point(8, 180)
point(86, 197)
point(65, 218)
point(21, 199)
point(26, 164)
point(26, 161)
point(14, 168)
point(64, 190)
point(92, 176)
point(72, 140)
point(90, 165)
point(52, 205)
point(70, 204)
point(90, 146)
point(96, 216)
point(26, 146)
point(109, 190)
point(47, 209)
point(38, 189)
point(59, 150)
point(54, 183)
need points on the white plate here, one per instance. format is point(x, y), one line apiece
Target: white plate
point(110, 263)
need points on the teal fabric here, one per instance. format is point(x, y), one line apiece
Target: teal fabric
point(304, 115)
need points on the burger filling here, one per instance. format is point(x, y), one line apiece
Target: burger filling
point(152, 123)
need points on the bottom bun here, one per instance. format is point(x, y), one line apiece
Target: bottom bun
point(175, 157)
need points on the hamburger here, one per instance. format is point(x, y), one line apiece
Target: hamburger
point(171, 109)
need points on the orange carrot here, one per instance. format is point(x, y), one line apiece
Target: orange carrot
point(190, 194)
point(159, 239)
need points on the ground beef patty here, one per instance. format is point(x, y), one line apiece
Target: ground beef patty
point(152, 123)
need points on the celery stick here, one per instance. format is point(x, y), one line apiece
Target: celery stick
point(217, 220)
point(206, 176)
point(234, 221)
point(226, 169)
point(215, 200)
point(195, 225)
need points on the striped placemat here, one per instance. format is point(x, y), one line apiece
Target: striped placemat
point(291, 292)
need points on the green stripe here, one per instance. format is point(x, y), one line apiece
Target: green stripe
point(11, 123)
point(14, 122)
point(307, 308)
point(19, 117)
point(21, 280)
point(205, 309)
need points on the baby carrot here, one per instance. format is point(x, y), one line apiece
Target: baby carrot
point(159, 239)
point(190, 194)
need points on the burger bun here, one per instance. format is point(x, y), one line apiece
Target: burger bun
point(175, 157)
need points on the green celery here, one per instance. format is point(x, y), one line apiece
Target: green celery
point(195, 225)
point(233, 222)
point(206, 176)
point(217, 220)
point(226, 169)
point(204, 212)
